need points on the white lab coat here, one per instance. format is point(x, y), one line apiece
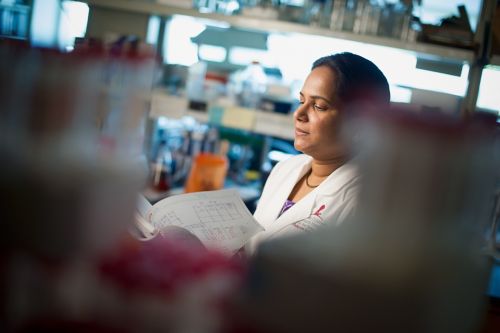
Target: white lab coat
point(329, 203)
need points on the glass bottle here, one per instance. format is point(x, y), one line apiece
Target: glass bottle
point(337, 17)
point(195, 83)
point(253, 85)
point(349, 15)
point(162, 168)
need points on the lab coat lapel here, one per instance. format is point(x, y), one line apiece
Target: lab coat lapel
point(276, 203)
point(299, 211)
point(304, 207)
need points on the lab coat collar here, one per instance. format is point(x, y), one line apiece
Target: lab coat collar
point(288, 180)
point(304, 207)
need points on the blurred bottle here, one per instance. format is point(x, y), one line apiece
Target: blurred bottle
point(211, 141)
point(395, 20)
point(337, 17)
point(349, 15)
point(227, 7)
point(182, 159)
point(317, 12)
point(403, 18)
point(253, 85)
point(196, 141)
point(195, 82)
point(162, 168)
point(325, 14)
point(205, 6)
point(373, 18)
point(208, 173)
point(414, 29)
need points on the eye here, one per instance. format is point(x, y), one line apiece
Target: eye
point(320, 107)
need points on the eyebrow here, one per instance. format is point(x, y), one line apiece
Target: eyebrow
point(318, 97)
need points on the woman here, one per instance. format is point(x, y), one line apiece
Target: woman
point(320, 185)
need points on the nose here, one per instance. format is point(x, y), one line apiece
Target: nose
point(300, 113)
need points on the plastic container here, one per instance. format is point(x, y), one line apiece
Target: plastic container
point(208, 173)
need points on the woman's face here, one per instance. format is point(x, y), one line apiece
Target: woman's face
point(317, 119)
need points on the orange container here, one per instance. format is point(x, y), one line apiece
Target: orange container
point(207, 173)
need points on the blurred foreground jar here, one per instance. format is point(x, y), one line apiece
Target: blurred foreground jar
point(430, 176)
point(410, 259)
point(71, 143)
point(71, 137)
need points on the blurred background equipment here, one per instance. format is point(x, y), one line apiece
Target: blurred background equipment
point(14, 19)
point(94, 115)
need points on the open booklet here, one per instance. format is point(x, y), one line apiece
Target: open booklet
point(219, 219)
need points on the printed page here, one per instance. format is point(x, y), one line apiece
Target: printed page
point(219, 219)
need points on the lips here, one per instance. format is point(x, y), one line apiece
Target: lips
point(300, 132)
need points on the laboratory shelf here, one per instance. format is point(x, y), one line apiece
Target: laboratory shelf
point(495, 60)
point(257, 121)
point(155, 8)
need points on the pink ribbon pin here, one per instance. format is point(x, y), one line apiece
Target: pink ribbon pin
point(318, 212)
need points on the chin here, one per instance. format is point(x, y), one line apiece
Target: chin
point(298, 147)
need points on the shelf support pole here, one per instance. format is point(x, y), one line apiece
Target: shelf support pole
point(482, 57)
